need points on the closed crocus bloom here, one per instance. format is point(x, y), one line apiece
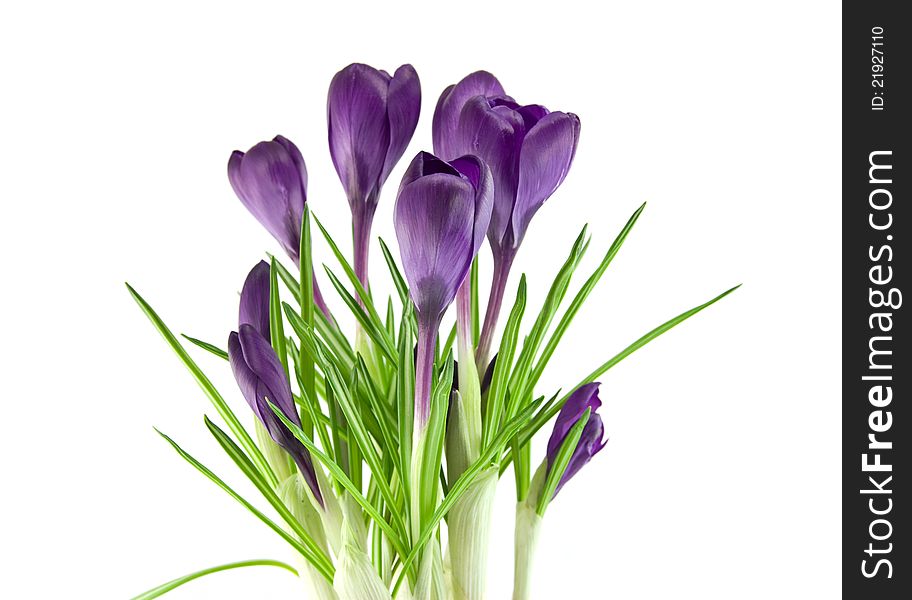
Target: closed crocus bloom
point(442, 213)
point(529, 151)
point(591, 441)
point(372, 117)
point(271, 181)
point(260, 374)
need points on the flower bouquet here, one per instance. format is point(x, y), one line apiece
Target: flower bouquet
point(379, 453)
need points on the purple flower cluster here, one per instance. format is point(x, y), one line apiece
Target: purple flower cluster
point(497, 161)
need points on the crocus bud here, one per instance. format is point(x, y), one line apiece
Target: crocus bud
point(441, 215)
point(271, 181)
point(260, 374)
point(591, 441)
point(253, 309)
point(372, 117)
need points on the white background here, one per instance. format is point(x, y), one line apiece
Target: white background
point(721, 477)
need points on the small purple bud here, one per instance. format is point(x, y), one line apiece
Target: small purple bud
point(591, 441)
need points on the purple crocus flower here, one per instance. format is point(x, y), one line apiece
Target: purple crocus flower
point(260, 374)
point(529, 150)
point(270, 179)
point(372, 117)
point(441, 215)
point(591, 441)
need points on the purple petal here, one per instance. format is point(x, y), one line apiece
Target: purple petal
point(589, 445)
point(449, 107)
point(262, 381)
point(262, 360)
point(271, 182)
point(296, 157)
point(426, 163)
point(434, 218)
point(254, 306)
point(491, 133)
point(478, 173)
point(584, 397)
point(359, 130)
point(403, 108)
point(547, 153)
point(246, 379)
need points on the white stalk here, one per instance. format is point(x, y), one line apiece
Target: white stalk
point(356, 578)
point(330, 512)
point(469, 528)
point(431, 581)
point(277, 458)
point(293, 494)
point(528, 527)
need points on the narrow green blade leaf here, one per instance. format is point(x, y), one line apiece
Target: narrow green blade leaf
point(579, 300)
point(206, 346)
point(176, 583)
point(559, 466)
point(371, 323)
point(462, 484)
point(305, 359)
point(540, 419)
point(395, 273)
point(498, 389)
point(217, 481)
point(360, 433)
point(276, 323)
point(336, 471)
point(315, 554)
point(220, 405)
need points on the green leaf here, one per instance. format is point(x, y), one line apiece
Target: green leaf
point(320, 352)
point(552, 302)
point(462, 484)
point(543, 417)
point(578, 301)
point(220, 405)
point(315, 554)
point(374, 328)
point(405, 394)
point(339, 475)
point(206, 346)
point(447, 346)
point(395, 273)
point(306, 281)
point(363, 294)
point(361, 437)
point(290, 281)
point(433, 442)
point(559, 466)
point(276, 323)
point(176, 583)
point(297, 545)
point(498, 389)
